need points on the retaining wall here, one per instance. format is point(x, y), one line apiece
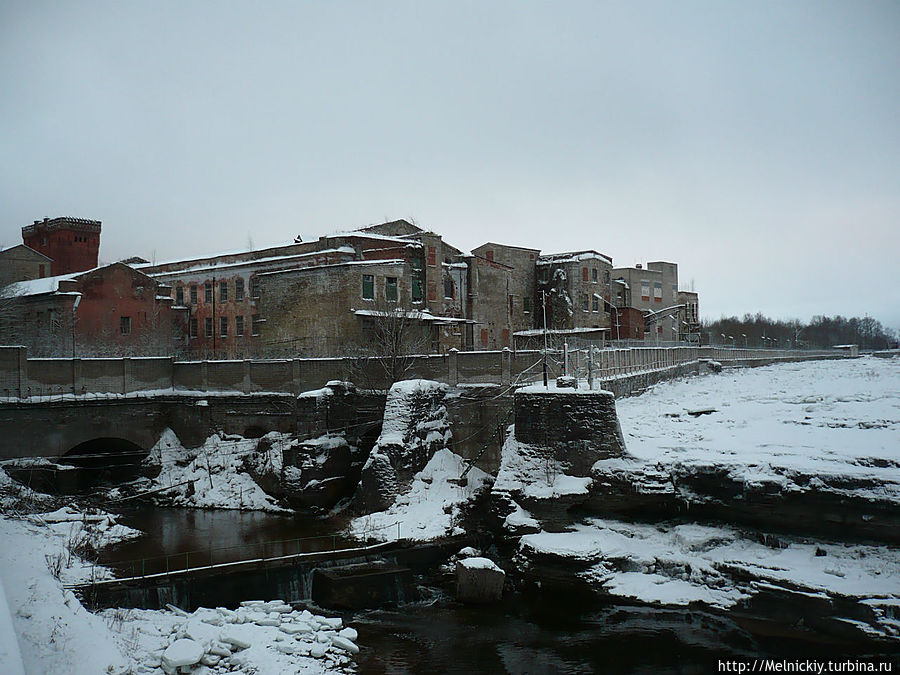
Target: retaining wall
point(23, 377)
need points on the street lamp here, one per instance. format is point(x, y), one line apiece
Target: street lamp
point(744, 335)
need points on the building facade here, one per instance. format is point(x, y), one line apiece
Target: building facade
point(73, 244)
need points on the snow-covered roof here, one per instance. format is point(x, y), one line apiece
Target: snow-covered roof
point(346, 263)
point(572, 256)
point(40, 286)
point(379, 237)
point(206, 265)
point(418, 315)
point(532, 332)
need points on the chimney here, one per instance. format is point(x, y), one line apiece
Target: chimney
point(639, 266)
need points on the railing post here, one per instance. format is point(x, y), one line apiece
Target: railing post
point(453, 367)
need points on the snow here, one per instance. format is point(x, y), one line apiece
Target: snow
point(825, 425)
point(212, 473)
point(183, 652)
point(479, 564)
point(431, 507)
point(527, 472)
point(678, 564)
point(49, 629)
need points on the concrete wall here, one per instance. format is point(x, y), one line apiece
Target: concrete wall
point(22, 377)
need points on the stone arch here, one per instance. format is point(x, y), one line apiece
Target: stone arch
point(105, 452)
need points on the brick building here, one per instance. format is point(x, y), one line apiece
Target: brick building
point(111, 310)
point(73, 244)
point(577, 285)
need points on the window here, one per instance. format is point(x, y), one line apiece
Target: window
point(223, 291)
point(432, 291)
point(584, 273)
point(674, 293)
point(416, 289)
point(193, 328)
point(606, 277)
point(449, 293)
point(223, 326)
point(484, 337)
point(657, 292)
point(594, 275)
point(179, 295)
point(125, 325)
point(254, 288)
point(255, 323)
point(595, 303)
point(526, 305)
point(584, 302)
point(239, 326)
point(368, 286)
point(432, 256)
point(390, 289)
point(645, 290)
point(193, 294)
point(489, 255)
point(208, 325)
point(238, 289)
point(207, 292)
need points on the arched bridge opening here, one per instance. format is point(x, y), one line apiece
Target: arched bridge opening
point(103, 461)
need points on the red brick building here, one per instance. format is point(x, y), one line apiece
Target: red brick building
point(73, 244)
point(112, 310)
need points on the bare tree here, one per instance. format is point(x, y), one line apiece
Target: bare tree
point(392, 335)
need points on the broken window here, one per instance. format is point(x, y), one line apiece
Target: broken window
point(125, 325)
point(390, 289)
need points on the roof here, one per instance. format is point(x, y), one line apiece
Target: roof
point(572, 256)
point(533, 332)
point(204, 265)
point(416, 314)
point(27, 248)
point(347, 263)
point(51, 284)
point(520, 248)
point(40, 286)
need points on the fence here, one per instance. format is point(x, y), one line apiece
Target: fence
point(23, 378)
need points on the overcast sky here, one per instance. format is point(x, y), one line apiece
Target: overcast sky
point(757, 144)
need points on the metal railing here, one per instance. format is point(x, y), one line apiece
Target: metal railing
point(240, 553)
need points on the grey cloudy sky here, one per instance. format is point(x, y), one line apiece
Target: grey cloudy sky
point(757, 144)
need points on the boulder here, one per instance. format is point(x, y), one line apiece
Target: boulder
point(479, 580)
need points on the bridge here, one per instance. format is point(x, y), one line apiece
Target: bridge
point(56, 408)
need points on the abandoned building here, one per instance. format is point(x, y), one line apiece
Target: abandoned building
point(334, 295)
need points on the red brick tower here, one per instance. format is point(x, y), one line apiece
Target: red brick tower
point(72, 243)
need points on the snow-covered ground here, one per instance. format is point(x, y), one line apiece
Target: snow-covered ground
point(804, 427)
point(49, 631)
point(210, 476)
point(772, 424)
point(679, 564)
point(432, 506)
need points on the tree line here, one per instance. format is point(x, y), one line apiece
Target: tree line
point(821, 332)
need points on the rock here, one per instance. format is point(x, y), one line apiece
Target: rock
point(218, 649)
point(377, 489)
point(479, 580)
point(211, 660)
point(349, 633)
point(183, 652)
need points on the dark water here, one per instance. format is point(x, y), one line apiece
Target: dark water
point(534, 632)
point(175, 538)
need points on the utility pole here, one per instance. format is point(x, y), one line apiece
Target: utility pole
point(544, 305)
